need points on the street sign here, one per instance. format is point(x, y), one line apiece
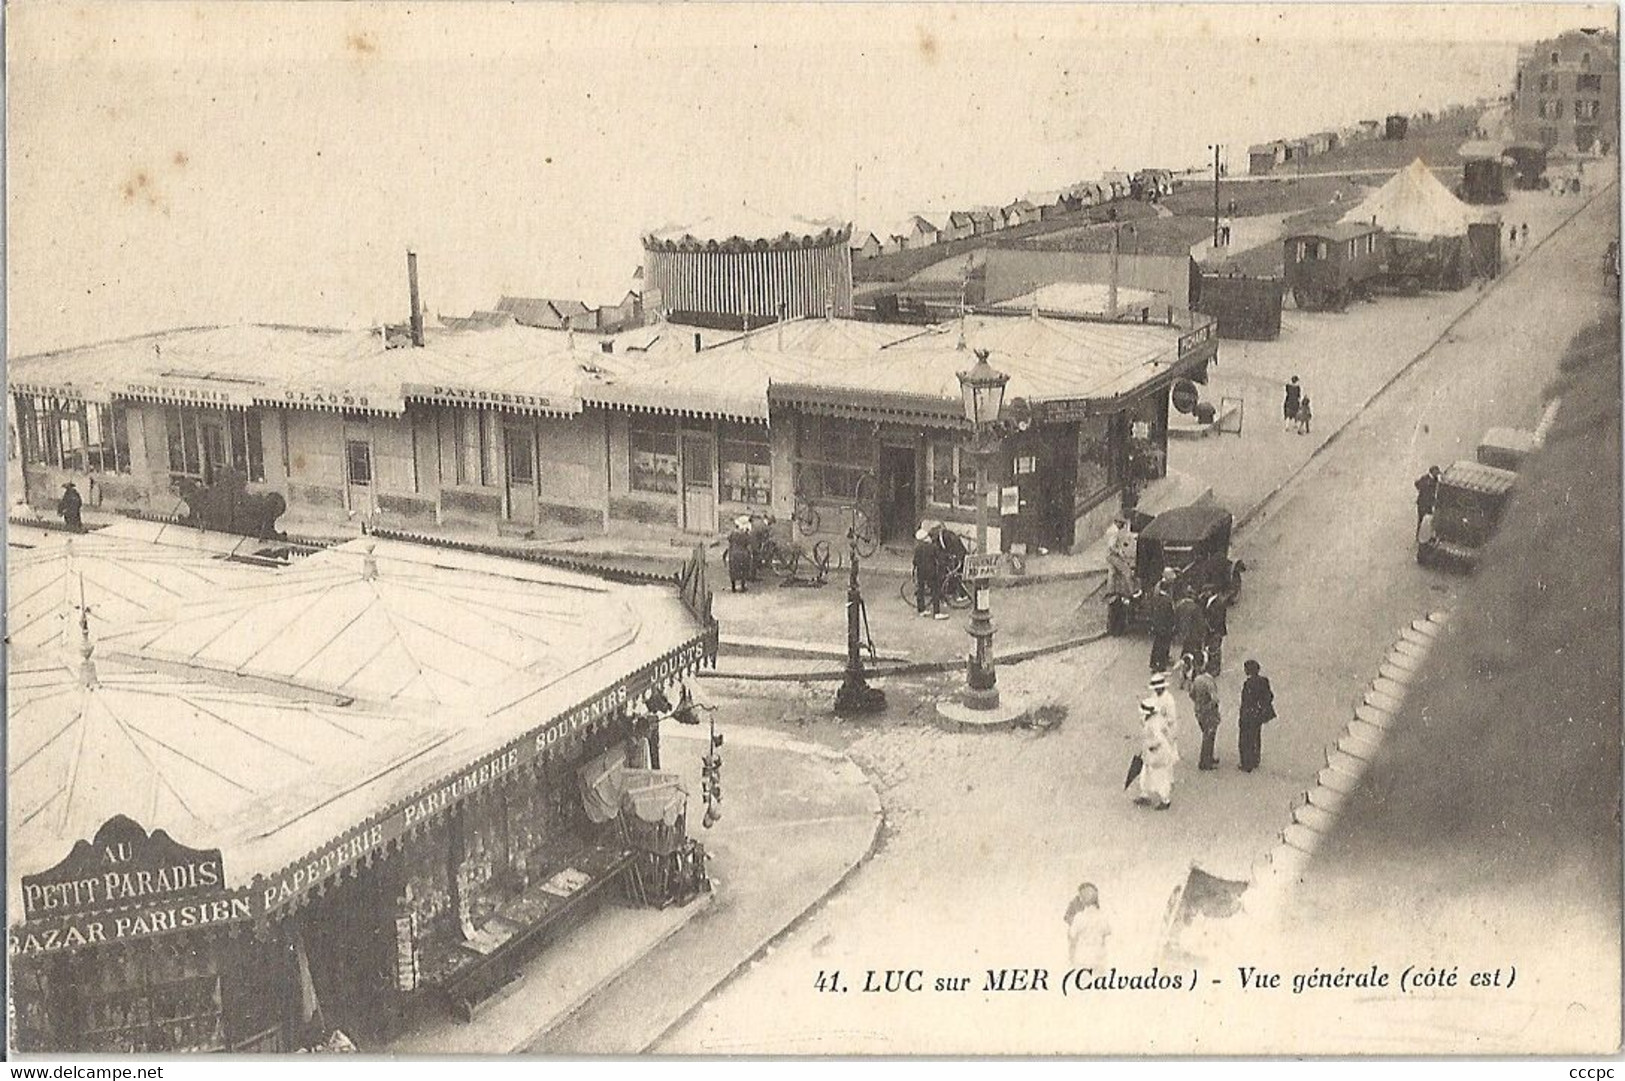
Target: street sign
point(980, 568)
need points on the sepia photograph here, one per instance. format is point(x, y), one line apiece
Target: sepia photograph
point(719, 530)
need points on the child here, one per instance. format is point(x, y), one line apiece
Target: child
point(1304, 416)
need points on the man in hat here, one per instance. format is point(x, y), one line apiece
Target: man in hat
point(1159, 753)
point(1190, 630)
point(1163, 701)
point(1257, 709)
point(1160, 609)
point(739, 557)
point(1120, 544)
point(927, 578)
point(1427, 496)
point(1204, 693)
point(69, 506)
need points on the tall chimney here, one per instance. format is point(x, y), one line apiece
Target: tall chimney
point(417, 310)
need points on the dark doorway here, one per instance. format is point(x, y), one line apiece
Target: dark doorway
point(899, 497)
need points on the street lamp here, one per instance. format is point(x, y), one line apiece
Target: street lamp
point(982, 388)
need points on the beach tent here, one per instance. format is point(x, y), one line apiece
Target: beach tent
point(1414, 204)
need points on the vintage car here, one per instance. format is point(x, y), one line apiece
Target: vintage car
point(1506, 448)
point(1466, 511)
point(1193, 542)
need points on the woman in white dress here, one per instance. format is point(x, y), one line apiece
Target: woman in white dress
point(1086, 930)
point(1159, 752)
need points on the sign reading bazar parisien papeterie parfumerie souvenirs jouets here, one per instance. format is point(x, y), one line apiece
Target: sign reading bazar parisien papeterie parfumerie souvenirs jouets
point(124, 884)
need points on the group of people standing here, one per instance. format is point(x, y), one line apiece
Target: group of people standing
point(1159, 738)
point(1296, 409)
point(939, 554)
point(1197, 620)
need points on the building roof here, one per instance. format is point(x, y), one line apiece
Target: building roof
point(509, 367)
point(745, 225)
point(1415, 203)
point(1341, 230)
point(1047, 359)
point(389, 622)
point(111, 579)
point(185, 755)
point(1082, 298)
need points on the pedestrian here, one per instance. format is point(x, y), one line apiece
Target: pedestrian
point(1224, 232)
point(1163, 701)
point(1257, 709)
point(1159, 752)
point(1204, 692)
point(1512, 236)
point(1305, 415)
point(1190, 629)
point(739, 557)
point(1427, 496)
point(1216, 614)
point(950, 555)
point(1160, 609)
point(1289, 408)
point(1120, 544)
point(1523, 233)
point(1086, 929)
point(927, 581)
point(69, 506)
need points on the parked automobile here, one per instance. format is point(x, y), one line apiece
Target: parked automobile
point(1194, 542)
point(1471, 498)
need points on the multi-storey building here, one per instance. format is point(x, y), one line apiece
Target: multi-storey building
point(1567, 94)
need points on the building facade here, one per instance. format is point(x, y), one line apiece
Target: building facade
point(1567, 92)
point(510, 431)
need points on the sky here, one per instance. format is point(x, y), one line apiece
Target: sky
point(180, 164)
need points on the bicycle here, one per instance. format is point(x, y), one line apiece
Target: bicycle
point(805, 516)
point(956, 593)
point(865, 514)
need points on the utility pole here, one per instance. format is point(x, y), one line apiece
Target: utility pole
point(1111, 288)
point(1216, 147)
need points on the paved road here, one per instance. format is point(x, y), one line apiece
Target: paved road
point(989, 835)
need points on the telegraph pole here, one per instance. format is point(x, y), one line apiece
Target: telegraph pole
point(1216, 148)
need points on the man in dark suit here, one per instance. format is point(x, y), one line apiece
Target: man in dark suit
point(1160, 608)
point(1257, 709)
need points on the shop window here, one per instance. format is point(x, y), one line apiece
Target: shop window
point(1592, 83)
point(247, 452)
point(744, 463)
point(107, 439)
point(473, 465)
point(1353, 251)
point(952, 470)
point(654, 454)
point(1094, 459)
point(199, 441)
point(832, 456)
point(521, 457)
point(164, 997)
point(358, 462)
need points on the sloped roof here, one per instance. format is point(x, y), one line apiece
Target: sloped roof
point(117, 580)
point(1415, 203)
point(184, 755)
point(746, 223)
point(1082, 298)
point(385, 621)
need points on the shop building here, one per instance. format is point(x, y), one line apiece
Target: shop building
point(204, 859)
point(510, 430)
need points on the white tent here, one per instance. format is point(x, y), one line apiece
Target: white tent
point(1415, 203)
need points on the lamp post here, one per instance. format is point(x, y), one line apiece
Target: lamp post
point(982, 388)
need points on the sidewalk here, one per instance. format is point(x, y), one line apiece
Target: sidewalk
point(797, 819)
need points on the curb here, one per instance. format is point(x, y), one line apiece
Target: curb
point(1243, 520)
point(917, 669)
point(1315, 813)
point(878, 812)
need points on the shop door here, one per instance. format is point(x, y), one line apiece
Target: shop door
point(699, 483)
point(899, 494)
point(212, 434)
point(520, 454)
point(358, 475)
point(1057, 485)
